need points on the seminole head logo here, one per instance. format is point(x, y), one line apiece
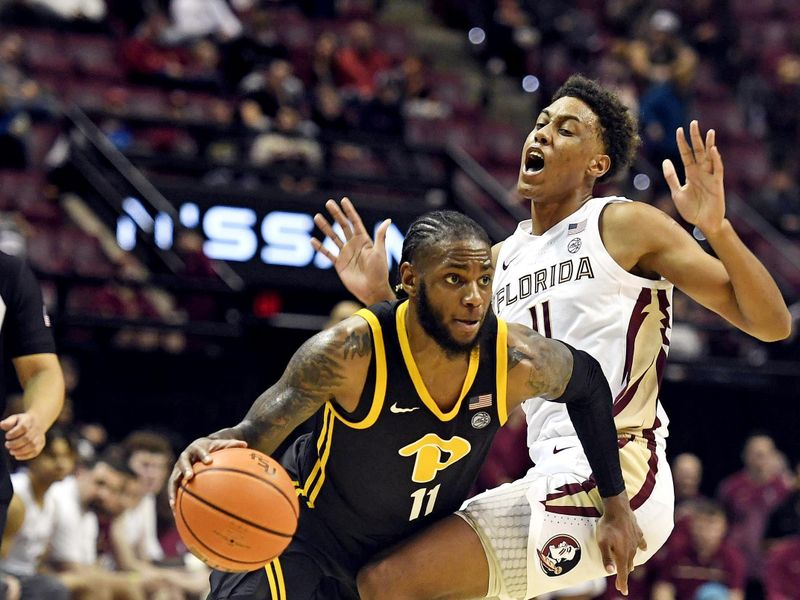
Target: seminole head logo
point(559, 555)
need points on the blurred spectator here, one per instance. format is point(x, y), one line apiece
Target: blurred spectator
point(383, 114)
point(703, 557)
point(28, 547)
point(784, 521)
point(687, 473)
point(66, 10)
point(192, 19)
point(666, 66)
point(290, 146)
point(323, 61)
point(328, 111)
point(782, 571)
point(148, 57)
point(712, 31)
point(134, 536)
point(93, 491)
point(258, 45)
point(14, 133)
point(359, 62)
point(778, 201)
point(264, 91)
point(782, 110)
point(751, 494)
point(341, 311)
point(14, 77)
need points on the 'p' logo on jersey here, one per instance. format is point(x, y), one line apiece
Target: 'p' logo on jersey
point(429, 450)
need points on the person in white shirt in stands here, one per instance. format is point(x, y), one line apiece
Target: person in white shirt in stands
point(27, 547)
point(73, 549)
point(134, 536)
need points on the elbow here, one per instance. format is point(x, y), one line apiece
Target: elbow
point(780, 328)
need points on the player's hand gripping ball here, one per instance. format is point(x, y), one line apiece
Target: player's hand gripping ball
point(239, 512)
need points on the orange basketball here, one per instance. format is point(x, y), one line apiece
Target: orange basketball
point(239, 512)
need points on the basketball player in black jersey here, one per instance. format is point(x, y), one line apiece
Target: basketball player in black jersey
point(413, 392)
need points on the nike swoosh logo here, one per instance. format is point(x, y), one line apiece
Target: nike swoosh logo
point(557, 450)
point(396, 409)
point(508, 264)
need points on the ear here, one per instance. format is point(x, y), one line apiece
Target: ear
point(409, 279)
point(599, 165)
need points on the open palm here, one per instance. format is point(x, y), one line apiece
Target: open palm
point(701, 200)
point(361, 263)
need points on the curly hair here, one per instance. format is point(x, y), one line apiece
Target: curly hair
point(619, 129)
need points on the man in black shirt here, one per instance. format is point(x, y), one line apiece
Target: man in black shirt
point(26, 338)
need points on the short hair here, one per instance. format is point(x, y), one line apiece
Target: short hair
point(146, 441)
point(114, 457)
point(56, 432)
point(437, 227)
point(708, 508)
point(618, 129)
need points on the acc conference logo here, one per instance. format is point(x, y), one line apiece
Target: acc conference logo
point(561, 553)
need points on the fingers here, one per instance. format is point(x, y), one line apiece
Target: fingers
point(671, 176)
point(327, 230)
point(698, 147)
point(320, 247)
point(716, 161)
point(352, 214)
point(343, 221)
point(642, 542)
point(199, 450)
point(9, 422)
point(687, 156)
point(380, 234)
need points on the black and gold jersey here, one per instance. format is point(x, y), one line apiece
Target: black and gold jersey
point(398, 462)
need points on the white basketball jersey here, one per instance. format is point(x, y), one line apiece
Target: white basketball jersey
point(565, 285)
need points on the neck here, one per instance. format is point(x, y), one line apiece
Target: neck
point(39, 488)
point(546, 213)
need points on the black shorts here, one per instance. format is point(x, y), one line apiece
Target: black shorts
point(311, 568)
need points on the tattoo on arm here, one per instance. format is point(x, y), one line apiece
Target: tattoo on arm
point(357, 344)
point(317, 371)
point(547, 364)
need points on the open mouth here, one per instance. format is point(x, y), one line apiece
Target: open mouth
point(534, 161)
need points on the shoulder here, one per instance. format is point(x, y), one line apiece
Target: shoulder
point(496, 252)
point(630, 230)
point(335, 357)
point(628, 214)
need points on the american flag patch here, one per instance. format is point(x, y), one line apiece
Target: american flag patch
point(45, 316)
point(481, 401)
point(576, 228)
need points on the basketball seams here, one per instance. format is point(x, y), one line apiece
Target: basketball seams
point(234, 516)
point(256, 477)
point(197, 539)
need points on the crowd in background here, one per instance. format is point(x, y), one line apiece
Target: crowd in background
point(287, 88)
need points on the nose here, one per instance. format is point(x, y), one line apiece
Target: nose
point(472, 295)
point(542, 136)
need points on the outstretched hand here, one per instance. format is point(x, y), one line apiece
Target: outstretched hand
point(701, 200)
point(361, 263)
point(619, 537)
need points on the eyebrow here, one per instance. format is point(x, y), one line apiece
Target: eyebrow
point(486, 265)
point(562, 117)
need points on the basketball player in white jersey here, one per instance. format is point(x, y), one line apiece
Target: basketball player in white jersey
point(597, 273)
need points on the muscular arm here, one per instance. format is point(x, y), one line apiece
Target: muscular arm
point(646, 241)
point(541, 367)
point(332, 365)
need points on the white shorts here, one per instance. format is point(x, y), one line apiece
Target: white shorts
point(539, 531)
